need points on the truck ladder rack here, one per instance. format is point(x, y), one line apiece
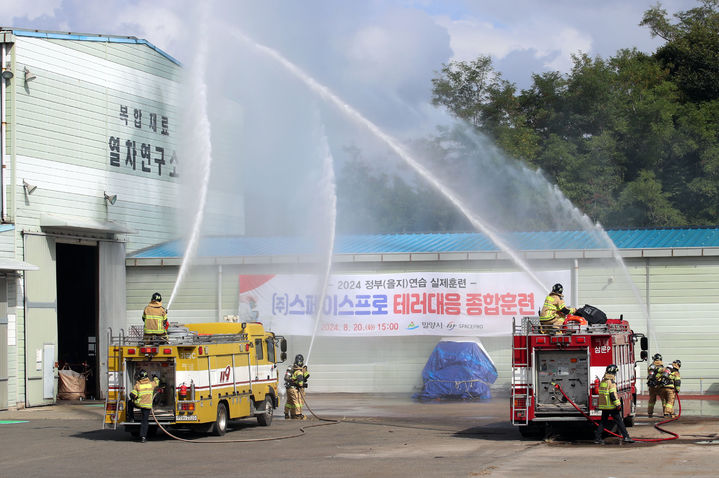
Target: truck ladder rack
point(115, 353)
point(521, 386)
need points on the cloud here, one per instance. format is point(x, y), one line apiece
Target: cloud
point(29, 10)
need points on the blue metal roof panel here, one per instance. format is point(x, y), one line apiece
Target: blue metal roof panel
point(451, 242)
point(89, 37)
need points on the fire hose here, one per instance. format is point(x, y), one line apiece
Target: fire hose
point(656, 425)
point(249, 440)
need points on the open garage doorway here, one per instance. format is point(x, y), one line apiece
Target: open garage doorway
point(77, 310)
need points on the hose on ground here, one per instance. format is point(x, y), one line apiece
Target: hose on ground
point(302, 429)
point(656, 425)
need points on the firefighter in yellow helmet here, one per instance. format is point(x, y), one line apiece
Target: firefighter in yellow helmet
point(654, 371)
point(141, 396)
point(671, 382)
point(155, 318)
point(610, 405)
point(554, 311)
point(295, 382)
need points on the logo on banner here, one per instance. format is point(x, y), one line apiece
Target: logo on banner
point(451, 325)
point(411, 326)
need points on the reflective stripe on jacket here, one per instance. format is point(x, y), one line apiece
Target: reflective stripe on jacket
point(143, 392)
point(553, 305)
point(154, 317)
point(296, 377)
point(608, 399)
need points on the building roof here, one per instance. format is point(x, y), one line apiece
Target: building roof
point(21, 32)
point(548, 244)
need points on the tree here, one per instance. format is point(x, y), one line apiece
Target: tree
point(690, 52)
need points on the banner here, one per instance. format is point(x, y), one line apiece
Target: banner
point(413, 303)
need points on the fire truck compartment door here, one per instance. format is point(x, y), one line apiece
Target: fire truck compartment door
point(569, 369)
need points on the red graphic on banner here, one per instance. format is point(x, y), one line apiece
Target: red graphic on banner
point(251, 282)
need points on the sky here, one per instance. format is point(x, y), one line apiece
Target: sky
point(377, 56)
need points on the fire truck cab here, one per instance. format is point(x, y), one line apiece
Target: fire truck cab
point(209, 373)
point(573, 357)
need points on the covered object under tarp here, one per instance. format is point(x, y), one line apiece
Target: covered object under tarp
point(458, 368)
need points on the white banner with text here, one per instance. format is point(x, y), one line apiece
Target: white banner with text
point(413, 303)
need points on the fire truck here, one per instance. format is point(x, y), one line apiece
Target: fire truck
point(209, 373)
point(572, 359)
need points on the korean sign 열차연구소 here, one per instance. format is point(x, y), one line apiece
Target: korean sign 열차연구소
point(416, 303)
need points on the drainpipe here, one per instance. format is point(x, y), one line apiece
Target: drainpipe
point(219, 292)
point(3, 127)
point(575, 284)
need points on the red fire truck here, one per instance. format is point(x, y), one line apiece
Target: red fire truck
point(574, 358)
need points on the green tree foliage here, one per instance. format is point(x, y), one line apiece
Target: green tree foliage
point(632, 140)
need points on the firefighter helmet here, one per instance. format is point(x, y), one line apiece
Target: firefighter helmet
point(613, 369)
point(557, 288)
point(678, 363)
point(299, 360)
point(156, 297)
point(142, 374)
point(657, 357)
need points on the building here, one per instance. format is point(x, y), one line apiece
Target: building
point(89, 173)
point(675, 272)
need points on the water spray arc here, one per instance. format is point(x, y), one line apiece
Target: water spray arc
point(395, 146)
point(204, 144)
point(330, 197)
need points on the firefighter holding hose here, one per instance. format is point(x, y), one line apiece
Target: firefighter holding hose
point(141, 396)
point(155, 319)
point(295, 383)
point(654, 371)
point(610, 405)
point(554, 311)
point(670, 382)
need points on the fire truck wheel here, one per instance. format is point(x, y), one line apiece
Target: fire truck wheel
point(220, 426)
point(265, 418)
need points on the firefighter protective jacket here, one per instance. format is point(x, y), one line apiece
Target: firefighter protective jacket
point(553, 305)
point(155, 317)
point(296, 377)
point(674, 379)
point(608, 399)
point(653, 372)
point(143, 391)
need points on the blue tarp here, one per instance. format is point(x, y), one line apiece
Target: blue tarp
point(457, 370)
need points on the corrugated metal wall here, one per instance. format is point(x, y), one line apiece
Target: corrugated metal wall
point(59, 130)
point(683, 297)
point(65, 119)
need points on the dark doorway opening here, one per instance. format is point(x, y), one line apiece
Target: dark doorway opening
point(77, 310)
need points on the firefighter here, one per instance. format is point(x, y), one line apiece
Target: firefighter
point(155, 319)
point(654, 371)
point(670, 382)
point(610, 405)
point(141, 396)
point(554, 311)
point(295, 383)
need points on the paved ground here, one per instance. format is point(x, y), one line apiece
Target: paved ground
point(377, 436)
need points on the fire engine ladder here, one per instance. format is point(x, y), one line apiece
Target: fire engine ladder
point(520, 372)
point(119, 373)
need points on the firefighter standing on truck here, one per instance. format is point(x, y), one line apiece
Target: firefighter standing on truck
point(654, 371)
point(295, 383)
point(155, 319)
point(554, 310)
point(141, 396)
point(610, 405)
point(670, 382)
